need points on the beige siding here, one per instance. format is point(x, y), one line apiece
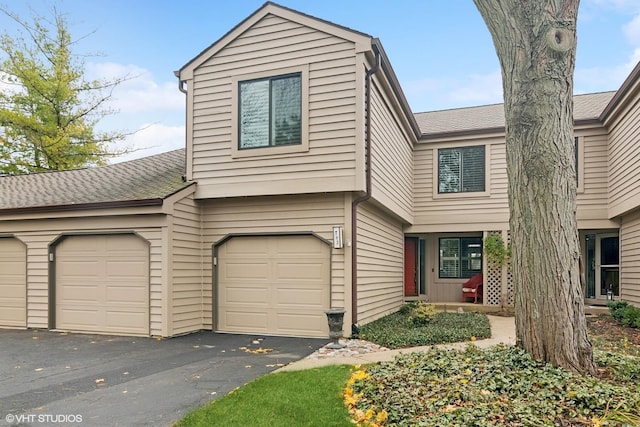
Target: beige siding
point(624, 161)
point(185, 307)
point(592, 195)
point(273, 44)
point(466, 211)
point(630, 258)
point(392, 158)
point(380, 264)
point(273, 215)
point(38, 235)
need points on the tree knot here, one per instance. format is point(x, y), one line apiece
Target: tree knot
point(560, 39)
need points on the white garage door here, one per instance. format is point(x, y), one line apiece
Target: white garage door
point(276, 285)
point(102, 284)
point(13, 283)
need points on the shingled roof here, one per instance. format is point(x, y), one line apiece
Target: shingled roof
point(586, 107)
point(142, 182)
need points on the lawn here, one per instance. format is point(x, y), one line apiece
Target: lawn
point(282, 399)
point(497, 386)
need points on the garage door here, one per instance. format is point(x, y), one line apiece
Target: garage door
point(13, 283)
point(102, 284)
point(276, 285)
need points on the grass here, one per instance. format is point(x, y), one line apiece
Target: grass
point(298, 398)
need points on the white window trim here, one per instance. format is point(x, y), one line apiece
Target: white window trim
point(463, 195)
point(236, 152)
point(580, 171)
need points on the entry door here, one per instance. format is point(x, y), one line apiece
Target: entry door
point(410, 267)
point(603, 265)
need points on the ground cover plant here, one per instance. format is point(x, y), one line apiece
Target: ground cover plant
point(417, 325)
point(497, 386)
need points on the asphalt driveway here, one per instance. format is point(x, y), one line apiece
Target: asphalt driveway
point(51, 378)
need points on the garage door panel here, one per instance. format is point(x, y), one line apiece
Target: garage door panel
point(246, 296)
point(282, 290)
point(13, 283)
point(102, 284)
point(77, 318)
point(299, 271)
point(298, 298)
point(121, 319)
point(300, 324)
point(78, 293)
point(243, 247)
point(127, 295)
point(126, 268)
point(246, 321)
point(245, 270)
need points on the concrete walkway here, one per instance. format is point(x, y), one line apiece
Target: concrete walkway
point(503, 331)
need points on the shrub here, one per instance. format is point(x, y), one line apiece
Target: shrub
point(625, 313)
point(422, 313)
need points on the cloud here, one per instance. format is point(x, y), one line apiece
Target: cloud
point(597, 79)
point(140, 93)
point(152, 139)
point(436, 94)
point(632, 31)
point(480, 89)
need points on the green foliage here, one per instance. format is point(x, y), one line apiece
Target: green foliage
point(48, 110)
point(625, 313)
point(623, 368)
point(498, 386)
point(495, 250)
point(420, 313)
point(301, 398)
point(398, 330)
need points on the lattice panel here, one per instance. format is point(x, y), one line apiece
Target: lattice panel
point(493, 283)
point(511, 296)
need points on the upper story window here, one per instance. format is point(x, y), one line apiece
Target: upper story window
point(461, 169)
point(270, 112)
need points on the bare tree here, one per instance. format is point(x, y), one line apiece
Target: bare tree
point(536, 45)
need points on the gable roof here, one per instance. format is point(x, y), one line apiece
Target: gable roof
point(142, 182)
point(490, 118)
point(362, 40)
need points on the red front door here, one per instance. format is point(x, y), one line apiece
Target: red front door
point(410, 271)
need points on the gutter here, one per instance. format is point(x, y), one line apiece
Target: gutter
point(85, 206)
point(366, 196)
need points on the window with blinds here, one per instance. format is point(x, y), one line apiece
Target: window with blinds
point(460, 257)
point(270, 112)
point(461, 169)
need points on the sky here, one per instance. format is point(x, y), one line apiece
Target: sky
point(440, 50)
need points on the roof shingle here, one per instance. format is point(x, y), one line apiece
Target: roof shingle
point(585, 107)
point(148, 178)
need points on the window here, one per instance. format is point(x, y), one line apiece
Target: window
point(461, 170)
point(460, 257)
point(270, 112)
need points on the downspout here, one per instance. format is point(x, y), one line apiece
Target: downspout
point(181, 88)
point(364, 197)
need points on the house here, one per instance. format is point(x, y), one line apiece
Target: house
point(306, 183)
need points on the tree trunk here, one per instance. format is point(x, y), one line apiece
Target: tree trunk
point(536, 44)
